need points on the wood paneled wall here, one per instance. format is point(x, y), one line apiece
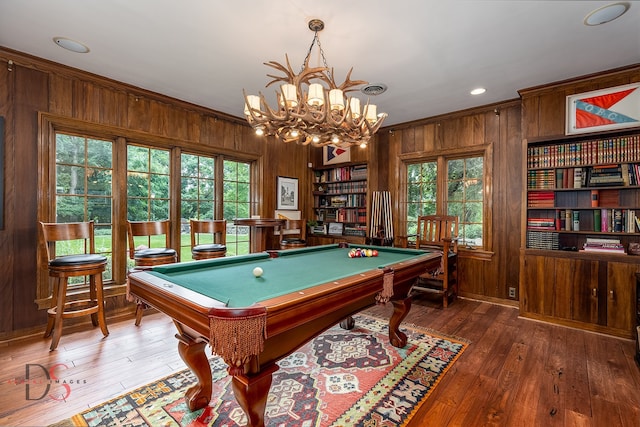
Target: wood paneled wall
point(485, 274)
point(30, 86)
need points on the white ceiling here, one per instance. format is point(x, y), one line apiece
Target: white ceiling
point(429, 53)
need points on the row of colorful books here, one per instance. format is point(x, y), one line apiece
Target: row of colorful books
point(599, 151)
point(624, 174)
point(602, 220)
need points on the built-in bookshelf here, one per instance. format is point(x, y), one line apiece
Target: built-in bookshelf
point(583, 193)
point(340, 200)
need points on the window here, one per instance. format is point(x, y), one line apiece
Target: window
point(148, 179)
point(421, 192)
point(87, 168)
point(237, 204)
point(459, 191)
point(84, 191)
point(465, 200)
point(198, 195)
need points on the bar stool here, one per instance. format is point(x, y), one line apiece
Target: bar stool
point(293, 234)
point(216, 231)
point(145, 255)
point(62, 267)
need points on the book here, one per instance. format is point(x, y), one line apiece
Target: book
point(597, 220)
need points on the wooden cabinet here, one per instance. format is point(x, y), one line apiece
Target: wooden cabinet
point(581, 213)
point(340, 203)
point(578, 290)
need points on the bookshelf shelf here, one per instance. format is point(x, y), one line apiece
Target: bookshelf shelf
point(581, 190)
point(340, 196)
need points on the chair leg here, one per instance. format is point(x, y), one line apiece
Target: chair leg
point(102, 320)
point(54, 301)
point(57, 327)
point(94, 299)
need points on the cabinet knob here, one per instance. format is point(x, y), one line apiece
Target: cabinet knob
point(611, 294)
point(594, 292)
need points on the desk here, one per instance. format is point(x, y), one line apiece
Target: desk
point(258, 230)
point(254, 322)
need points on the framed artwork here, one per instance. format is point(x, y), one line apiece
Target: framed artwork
point(332, 155)
point(287, 193)
point(606, 109)
point(335, 228)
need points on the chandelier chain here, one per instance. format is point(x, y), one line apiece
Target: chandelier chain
point(316, 40)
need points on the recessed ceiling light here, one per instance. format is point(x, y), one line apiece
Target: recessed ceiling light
point(607, 13)
point(478, 91)
point(71, 45)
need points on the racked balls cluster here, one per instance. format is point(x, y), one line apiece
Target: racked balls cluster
point(360, 253)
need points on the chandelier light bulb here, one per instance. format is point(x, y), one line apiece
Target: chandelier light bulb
point(315, 138)
point(294, 133)
point(316, 94)
point(354, 105)
point(336, 99)
point(290, 95)
point(259, 130)
point(335, 139)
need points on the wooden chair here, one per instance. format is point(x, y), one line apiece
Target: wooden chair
point(438, 232)
point(145, 255)
point(61, 267)
point(216, 231)
point(293, 234)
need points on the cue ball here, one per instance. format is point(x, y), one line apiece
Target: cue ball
point(257, 272)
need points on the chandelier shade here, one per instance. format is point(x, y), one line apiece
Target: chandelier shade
point(311, 108)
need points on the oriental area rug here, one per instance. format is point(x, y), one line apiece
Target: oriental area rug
point(341, 378)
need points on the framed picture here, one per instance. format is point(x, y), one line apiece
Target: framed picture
point(606, 109)
point(287, 193)
point(335, 228)
point(332, 155)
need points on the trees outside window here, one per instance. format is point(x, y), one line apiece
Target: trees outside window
point(459, 191)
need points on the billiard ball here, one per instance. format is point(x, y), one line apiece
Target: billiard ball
point(257, 271)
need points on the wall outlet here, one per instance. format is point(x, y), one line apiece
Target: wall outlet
point(512, 292)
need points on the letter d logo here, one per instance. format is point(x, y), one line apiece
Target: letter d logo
point(28, 381)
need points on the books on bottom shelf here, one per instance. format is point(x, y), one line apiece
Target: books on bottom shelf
point(603, 245)
point(542, 240)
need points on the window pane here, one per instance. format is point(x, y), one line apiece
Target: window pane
point(137, 158)
point(99, 209)
point(69, 149)
point(99, 182)
point(137, 185)
point(99, 153)
point(70, 179)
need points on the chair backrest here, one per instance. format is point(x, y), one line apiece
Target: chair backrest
point(148, 229)
point(293, 228)
point(52, 232)
point(433, 230)
point(216, 228)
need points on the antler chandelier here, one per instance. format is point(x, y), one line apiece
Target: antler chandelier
point(312, 108)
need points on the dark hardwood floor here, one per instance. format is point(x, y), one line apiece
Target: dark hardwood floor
point(516, 372)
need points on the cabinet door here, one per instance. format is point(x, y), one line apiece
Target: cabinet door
point(621, 282)
point(537, 281)
point(587, 290)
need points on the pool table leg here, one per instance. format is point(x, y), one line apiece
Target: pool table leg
point(193, 354)
point(251, 393)
point(401, 308)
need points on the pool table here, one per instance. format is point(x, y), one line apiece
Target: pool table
point(252, 322)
